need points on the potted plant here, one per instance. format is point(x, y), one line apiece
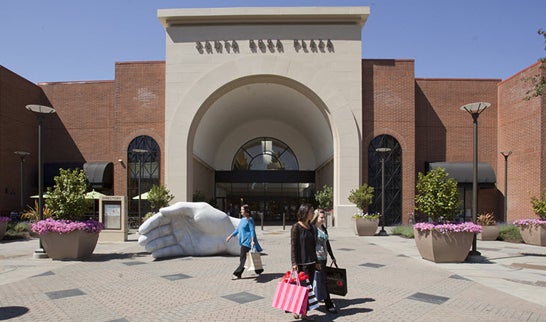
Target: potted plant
point(325, 200)
point(65, 235)
point(3, 226)
point(533, 231)
point(440, 240)
point(490, 230)
point(158, 197)
point(364, 224)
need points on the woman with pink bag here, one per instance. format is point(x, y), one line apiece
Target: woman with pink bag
point(302, 247)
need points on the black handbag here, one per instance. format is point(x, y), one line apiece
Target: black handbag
point(336, 280)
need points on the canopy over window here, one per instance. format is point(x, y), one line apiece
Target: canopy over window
point(462, 172)
point(99, 174)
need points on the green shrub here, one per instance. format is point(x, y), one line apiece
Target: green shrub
point(159, 197)
point(362, 197)
point(404, 231)
point(67, 198)
point(539, 205)
point(509, 233)
point(437, 195)
point(325, 197)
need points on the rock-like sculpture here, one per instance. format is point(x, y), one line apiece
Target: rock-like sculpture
point(188, 229)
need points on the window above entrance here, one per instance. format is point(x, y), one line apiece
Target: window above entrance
point(264, 154)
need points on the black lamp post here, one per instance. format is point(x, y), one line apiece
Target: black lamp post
point(506, 154)
point(475, 109)
point(382, 152)
point(40, 111)
point(22, 155)
point(139, 152)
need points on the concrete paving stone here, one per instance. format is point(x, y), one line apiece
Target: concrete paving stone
point(503, 285)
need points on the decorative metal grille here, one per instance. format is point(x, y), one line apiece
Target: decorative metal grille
point(393, 178)
point(143, 160)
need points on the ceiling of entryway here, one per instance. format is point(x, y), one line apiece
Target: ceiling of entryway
point(266, 104)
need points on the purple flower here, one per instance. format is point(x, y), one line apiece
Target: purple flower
point(445, 228)
point(62, 226)
point(530, 222)
point(3, 219)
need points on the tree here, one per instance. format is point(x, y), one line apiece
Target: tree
point(159, 196)
point(325, 197)
point(67, 197)
point(538, 81)
point(362, 197)
point(437, 195)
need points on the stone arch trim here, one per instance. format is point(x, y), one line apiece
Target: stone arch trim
point(344, 118)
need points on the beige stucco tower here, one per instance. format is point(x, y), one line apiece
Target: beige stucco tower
point(234, 74)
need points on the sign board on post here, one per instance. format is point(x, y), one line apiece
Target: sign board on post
point(114, 216)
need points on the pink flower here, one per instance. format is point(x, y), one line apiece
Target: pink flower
point(65, 226)
point(444, 228)
point(3, 219)
point(531, 222)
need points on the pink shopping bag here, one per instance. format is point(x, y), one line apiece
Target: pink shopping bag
point(290, 297)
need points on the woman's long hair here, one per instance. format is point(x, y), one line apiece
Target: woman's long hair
point(304, 209)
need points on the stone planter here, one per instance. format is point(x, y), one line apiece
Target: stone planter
point(450, 247)
point(533, 234)
point(365, 227)
point(3, 228)
point(77, 244)
point(489, 233)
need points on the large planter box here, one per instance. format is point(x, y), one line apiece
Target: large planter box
point(450, 247)
point(365, 227)
point(74, 245)
point(533, 234)
point(489, 233)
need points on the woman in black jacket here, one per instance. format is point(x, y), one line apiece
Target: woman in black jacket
point(303, 242)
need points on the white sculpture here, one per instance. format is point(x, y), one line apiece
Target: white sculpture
point(188, 229)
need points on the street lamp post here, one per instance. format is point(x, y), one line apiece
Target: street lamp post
point(139, 152)
point(475, 109)
point(382, 151)
point(40, 111)
point(506, 154)
point(22, 155)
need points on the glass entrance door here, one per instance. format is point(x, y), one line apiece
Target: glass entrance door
point(270, 203)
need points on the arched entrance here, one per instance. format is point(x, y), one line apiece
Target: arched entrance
point(264, 174)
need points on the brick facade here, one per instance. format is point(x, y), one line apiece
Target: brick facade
point(97, 120)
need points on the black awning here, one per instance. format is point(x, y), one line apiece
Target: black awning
point(99, 174)
point(462, 172)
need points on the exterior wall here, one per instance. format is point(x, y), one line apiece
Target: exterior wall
point(139, 110)
point(388, 93)
point(324, 175)
point(204, 179)
point(98, 119)
point(445, 133)
point(19, 132)
point(521, 126)
point(194, 79)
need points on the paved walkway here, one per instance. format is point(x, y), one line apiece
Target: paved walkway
point(387, 281)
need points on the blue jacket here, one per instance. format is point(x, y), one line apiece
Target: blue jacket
point(246, 232)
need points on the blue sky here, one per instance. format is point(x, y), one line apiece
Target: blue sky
point(54, 40)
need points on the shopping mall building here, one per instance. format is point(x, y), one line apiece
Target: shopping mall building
point(266, 106)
